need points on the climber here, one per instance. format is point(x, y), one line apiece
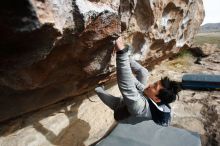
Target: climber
point(151, 102)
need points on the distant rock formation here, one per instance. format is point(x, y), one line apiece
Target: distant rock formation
point(53, 49)
point(209, 27)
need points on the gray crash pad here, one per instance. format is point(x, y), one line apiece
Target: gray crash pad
point(133, 132)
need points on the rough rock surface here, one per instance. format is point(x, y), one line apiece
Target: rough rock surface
point(53, 49)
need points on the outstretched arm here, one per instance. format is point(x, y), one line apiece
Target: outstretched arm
point(140, 71)
point(126, 80)
point(141, 74)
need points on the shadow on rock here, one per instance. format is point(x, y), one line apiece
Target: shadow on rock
point(74, 134)
point(65, 129)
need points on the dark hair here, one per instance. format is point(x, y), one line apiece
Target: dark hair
point(169, 92)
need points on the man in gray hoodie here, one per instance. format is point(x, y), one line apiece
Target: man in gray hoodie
point(151, 102)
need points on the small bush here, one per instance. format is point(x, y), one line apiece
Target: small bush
point(184, 53)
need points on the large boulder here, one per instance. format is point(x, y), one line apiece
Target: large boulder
point(53, 49)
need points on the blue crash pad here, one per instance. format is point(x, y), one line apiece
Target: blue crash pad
point(132, 132)
point(201, 82)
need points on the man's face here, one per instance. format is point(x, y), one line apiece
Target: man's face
point(153, 90)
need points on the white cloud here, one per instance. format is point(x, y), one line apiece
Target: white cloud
point(212, 11)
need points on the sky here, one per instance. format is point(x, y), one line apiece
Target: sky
point(212, 11)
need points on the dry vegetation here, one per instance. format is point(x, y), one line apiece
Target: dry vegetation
point(207, 38)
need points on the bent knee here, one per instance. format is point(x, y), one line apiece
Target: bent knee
point(99, 89)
